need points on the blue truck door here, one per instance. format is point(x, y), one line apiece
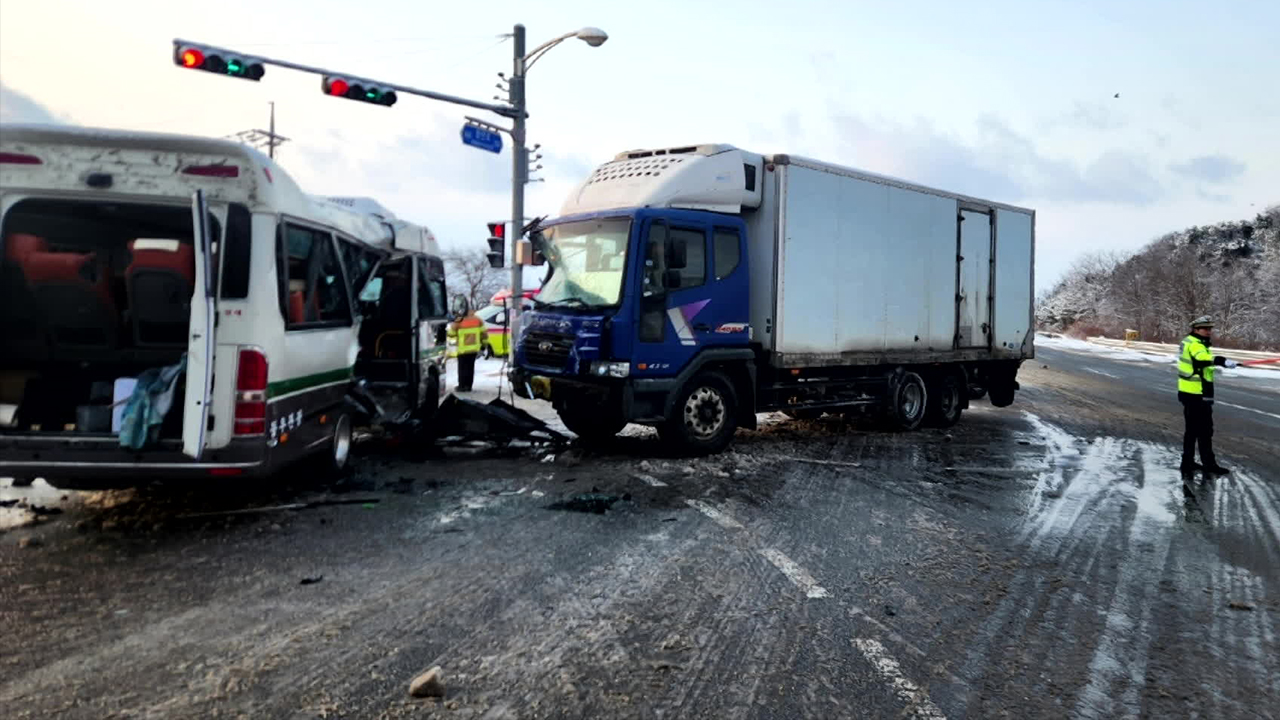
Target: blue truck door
point(706, 305)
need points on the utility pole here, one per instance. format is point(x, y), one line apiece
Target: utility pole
point(518, 165)
point(263, 138)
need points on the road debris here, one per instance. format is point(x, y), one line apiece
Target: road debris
point(1237, 605)
point(462, 420)
point(815, 461)
point(30, 542)
point(311, 580)
point(592, 502)
point(428, 684)
point(366, 502)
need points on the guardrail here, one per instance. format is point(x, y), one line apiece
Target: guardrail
point(1166, 349)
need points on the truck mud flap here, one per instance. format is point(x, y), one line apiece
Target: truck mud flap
point(496, 421)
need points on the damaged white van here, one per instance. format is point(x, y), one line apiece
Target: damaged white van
point(176, 306)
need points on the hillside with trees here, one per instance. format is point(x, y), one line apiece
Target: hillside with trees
point(1230, 271)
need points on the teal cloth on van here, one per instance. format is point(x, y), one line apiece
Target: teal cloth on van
point(151, 400)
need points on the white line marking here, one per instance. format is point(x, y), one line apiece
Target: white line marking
point(722, 519)
point(918, 703)
point(796, 574)
point(1101, 372)
point(650, 479)
point(1242, 407)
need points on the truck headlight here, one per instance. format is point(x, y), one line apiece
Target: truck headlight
point(602, 368)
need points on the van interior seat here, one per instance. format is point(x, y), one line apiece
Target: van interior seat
point(160, 280)
point(73, 289)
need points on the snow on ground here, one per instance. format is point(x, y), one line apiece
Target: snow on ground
point(1140, 356)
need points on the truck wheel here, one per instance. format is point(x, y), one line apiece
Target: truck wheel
point(704, 417)
point(1001, 395)
point(909, 402)
point(945, 402)
point(591, 428)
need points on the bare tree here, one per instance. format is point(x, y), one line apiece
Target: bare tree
point(467, 273)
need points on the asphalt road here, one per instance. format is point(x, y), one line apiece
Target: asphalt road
point(1040, 561)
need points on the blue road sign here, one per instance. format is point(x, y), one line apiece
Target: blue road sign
point(476, 136)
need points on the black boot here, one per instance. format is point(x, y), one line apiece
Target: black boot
point(1190, 466)
point(1217, 469)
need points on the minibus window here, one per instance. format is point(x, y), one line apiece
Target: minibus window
point(314, 291)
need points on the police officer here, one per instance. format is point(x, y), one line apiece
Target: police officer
point(468, 331)
point(1195, 392)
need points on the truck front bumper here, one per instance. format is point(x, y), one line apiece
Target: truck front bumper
point(641, 400)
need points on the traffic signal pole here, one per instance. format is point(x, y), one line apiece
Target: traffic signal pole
point(519, 168)
point(503, 110)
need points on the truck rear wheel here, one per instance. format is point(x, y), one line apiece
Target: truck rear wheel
point(945, 401)
point(908, 402)
point(705, 416)
point(1001, 395)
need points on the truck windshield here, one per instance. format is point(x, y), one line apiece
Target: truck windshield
point(587, 259)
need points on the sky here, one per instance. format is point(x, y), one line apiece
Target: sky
point(1009, 101)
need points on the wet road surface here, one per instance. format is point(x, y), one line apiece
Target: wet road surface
point(1044, 560)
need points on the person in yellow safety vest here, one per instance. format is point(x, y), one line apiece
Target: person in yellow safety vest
point(1195, 392)
point(467, 330)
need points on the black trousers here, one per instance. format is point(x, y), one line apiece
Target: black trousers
point(1199, 429)
point(466, 371)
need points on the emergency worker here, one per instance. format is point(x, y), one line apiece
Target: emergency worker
point(1195, 392)
point(467, 332)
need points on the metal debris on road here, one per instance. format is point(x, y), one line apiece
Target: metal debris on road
point(366, 502)
point(459, 419)
point(1237, 605)
point(814, 461)
point(311, 580)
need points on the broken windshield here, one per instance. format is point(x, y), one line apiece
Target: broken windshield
point(587, 261)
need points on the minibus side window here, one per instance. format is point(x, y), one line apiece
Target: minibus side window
point(236, 246)
point(314, 292)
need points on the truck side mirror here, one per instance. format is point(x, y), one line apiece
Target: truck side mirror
point(677, 254)
point(671, 279)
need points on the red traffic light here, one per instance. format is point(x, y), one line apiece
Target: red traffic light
point(192, 58)
point(217, 61)
point(356, 90)
point(498, 230)
point(338, 87)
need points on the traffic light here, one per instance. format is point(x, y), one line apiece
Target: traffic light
point(214, 61)
point(497, 244)
point(358, 90)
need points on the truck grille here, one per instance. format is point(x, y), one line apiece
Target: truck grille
point(547, 349)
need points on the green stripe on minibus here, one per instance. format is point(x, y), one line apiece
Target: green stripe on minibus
point(306, 382)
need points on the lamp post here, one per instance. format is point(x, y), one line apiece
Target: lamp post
point(594, 37)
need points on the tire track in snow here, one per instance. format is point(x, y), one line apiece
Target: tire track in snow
point(1118, 670)
point(1073, 482)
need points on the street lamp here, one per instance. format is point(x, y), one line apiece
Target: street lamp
point(592, 36)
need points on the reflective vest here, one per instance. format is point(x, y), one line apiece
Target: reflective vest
point(469, 333)
point(1190, 379)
